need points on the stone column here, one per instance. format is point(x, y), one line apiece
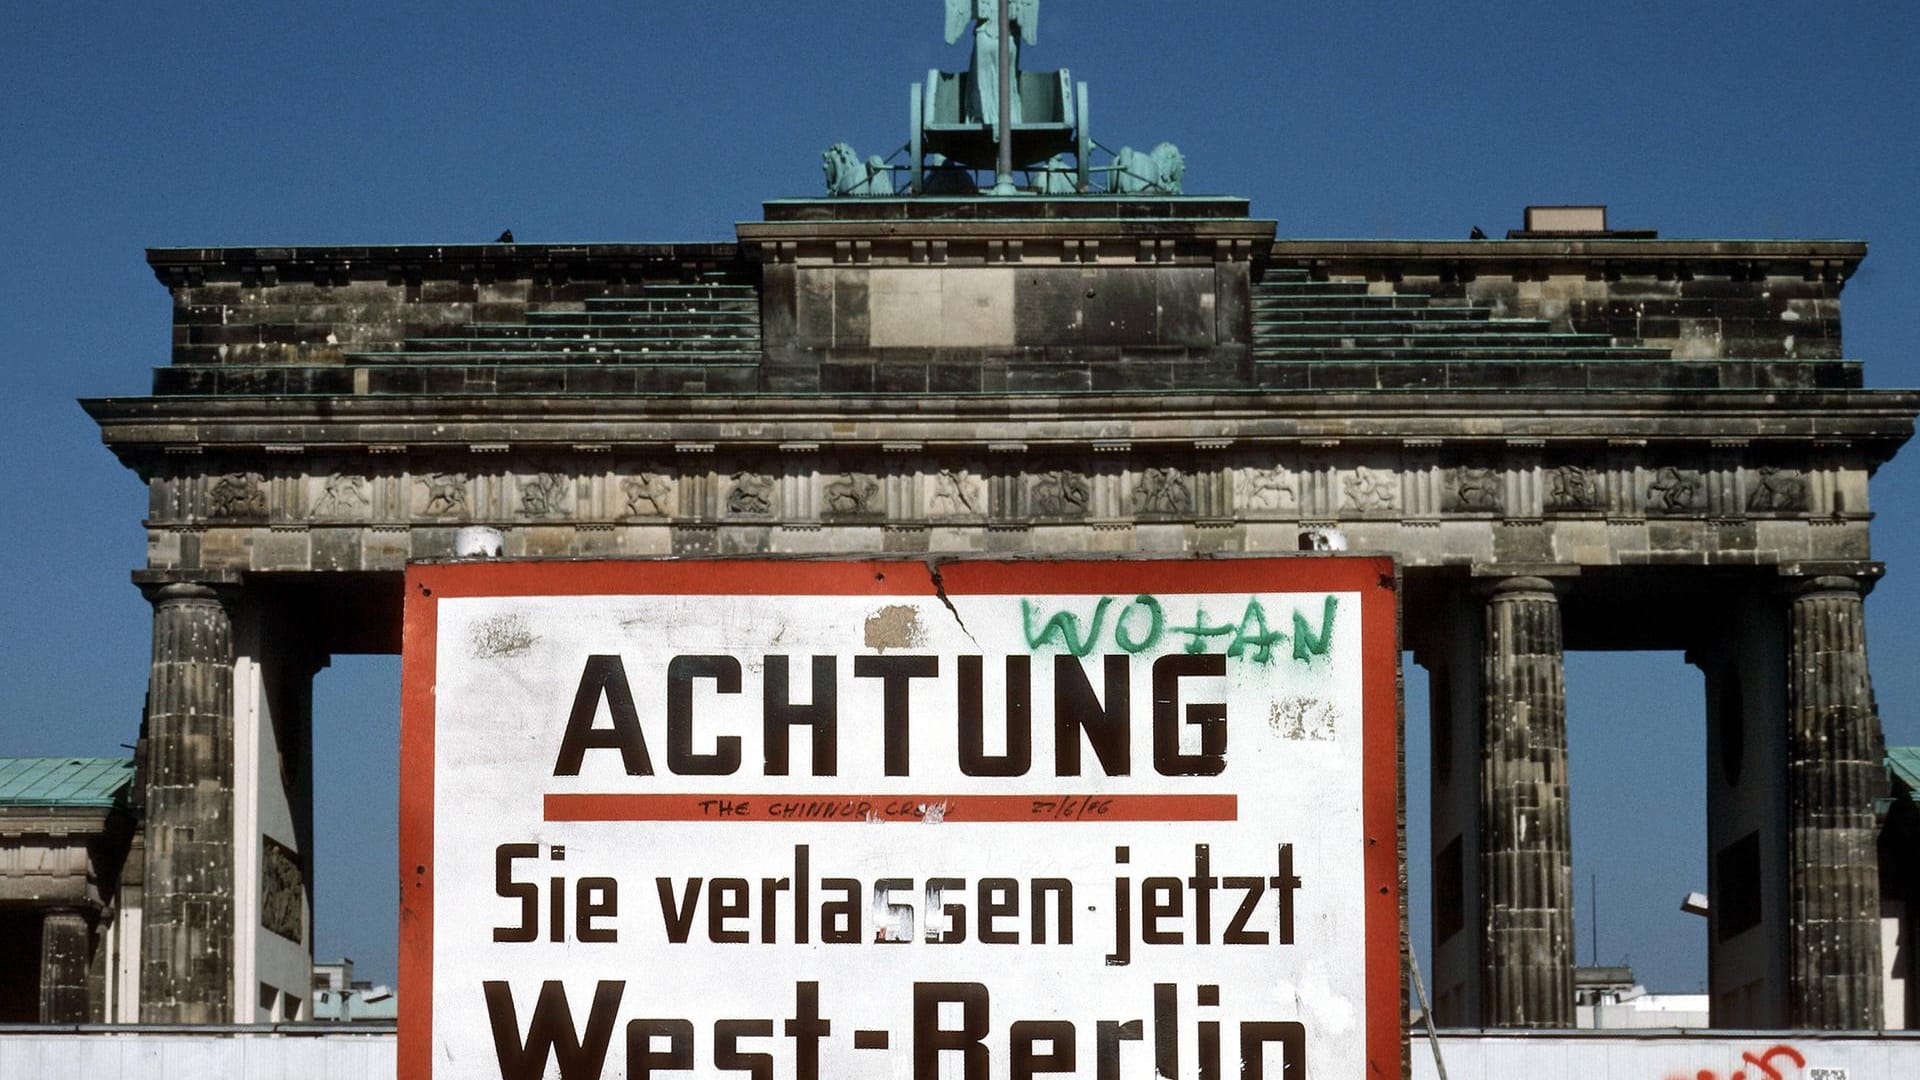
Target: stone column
point(66, 941)
point(186, 954)
point(1833, 771)
point(1526, 849)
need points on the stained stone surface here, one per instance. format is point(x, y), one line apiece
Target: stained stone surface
point(187, 934)
point(1527, 840)
point(66, 952)
point(1835, 772)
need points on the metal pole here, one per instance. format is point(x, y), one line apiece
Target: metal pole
point(1426, 1012)
point(1003, 175)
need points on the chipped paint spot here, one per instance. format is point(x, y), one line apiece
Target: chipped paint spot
point(502, 635)
point(1304, 719)
point(933, 813)
point(896, 626)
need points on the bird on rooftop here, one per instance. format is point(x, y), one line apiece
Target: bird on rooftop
point(1477, 234)
point(507, 237)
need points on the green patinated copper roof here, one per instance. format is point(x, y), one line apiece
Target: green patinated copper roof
point(63, 781)
point(1904, 761)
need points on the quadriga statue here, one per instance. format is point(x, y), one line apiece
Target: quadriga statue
point(982, 18)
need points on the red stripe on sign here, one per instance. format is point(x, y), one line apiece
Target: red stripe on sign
point(762, 807)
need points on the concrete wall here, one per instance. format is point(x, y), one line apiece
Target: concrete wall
point(1469, 1056)
point(1791, 1056)
point(102, 1056)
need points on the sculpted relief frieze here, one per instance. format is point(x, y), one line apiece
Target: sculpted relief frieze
point(1777, 490)
point(975, 490)
point(1274, 490)
point(957, 493)
point(648, 494)
point(1573, 488)
point(853, 494)
point(1369, 489)
point(1165, 492)
point(1475, 489)
point(1060, 493)
point(546, 495)
point(1675, 490)
point(283, 891)
point(237, 495)
point(441, 495)
point(342, 496)
point(751, 494)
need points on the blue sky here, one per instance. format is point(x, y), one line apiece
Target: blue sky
point(133, 125)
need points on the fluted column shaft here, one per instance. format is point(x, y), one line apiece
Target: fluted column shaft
point(186, 961)
point(1526, 843)
point(66, 951)
point(1833, 773)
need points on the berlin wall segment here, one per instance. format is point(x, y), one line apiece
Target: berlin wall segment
point(968, 818)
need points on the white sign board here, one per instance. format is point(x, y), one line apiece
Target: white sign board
point(885, 819)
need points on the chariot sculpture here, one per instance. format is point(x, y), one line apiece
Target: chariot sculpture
point(996, 118)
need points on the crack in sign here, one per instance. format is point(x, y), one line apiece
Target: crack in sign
point(940, 590)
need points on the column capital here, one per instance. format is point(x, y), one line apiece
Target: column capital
point(1836, 576)
point(1518, 587)
point(1829, 585)
point(159, 586)
point(83, 912)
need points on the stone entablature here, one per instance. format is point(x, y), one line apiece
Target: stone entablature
point(54, 856)
point(785, 482)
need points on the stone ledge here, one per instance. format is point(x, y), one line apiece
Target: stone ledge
point(1021, 208)
point(1390, 259)
point(184, 265)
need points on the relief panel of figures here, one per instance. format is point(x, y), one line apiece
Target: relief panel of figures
point(1311, 485)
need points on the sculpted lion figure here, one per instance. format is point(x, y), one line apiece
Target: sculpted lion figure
point(852, 494)
point(1157, 173)
point(847, 175)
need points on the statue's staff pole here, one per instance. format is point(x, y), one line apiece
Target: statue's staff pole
point(1003, 175)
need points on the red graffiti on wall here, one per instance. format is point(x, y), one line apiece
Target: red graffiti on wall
point(1763, 1062)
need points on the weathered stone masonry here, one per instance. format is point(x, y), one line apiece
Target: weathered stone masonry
point(1527, 845)
point(1570, 442)
point(185, 976)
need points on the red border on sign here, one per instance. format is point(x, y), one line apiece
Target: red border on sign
point(1370, 576)
point(419, 641)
